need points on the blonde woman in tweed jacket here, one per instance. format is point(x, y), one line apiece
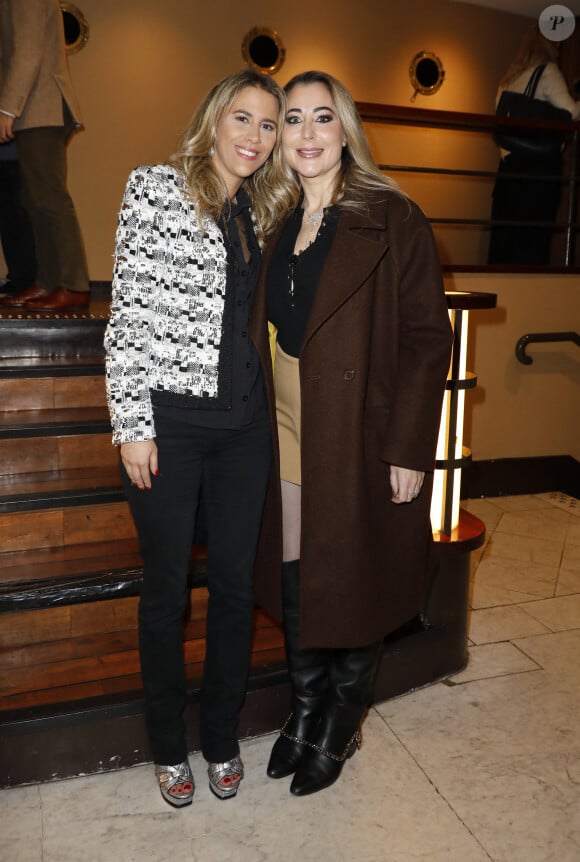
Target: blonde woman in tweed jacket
point(188, 407)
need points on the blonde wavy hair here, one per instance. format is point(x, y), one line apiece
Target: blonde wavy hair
point(359, 173)
point(193, 157)
point(534, 50)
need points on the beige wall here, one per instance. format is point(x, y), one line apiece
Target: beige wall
point(520, 411)
point(148, 62)
point(441, 195)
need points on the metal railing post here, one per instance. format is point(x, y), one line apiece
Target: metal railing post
point(570, 252)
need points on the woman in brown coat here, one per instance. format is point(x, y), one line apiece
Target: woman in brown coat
point(352, 288)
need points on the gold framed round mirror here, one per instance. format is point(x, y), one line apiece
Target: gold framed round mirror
point(262, 49)
point(76, 27)
point(426, 73)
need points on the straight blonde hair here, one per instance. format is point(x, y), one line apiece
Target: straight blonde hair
point(266, 187)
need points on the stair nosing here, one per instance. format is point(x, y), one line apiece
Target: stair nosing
point(57, 428)
point(99, 585)
point(13, 372)
point(35, 501)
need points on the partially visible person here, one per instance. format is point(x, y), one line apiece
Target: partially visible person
point(352, 289)
point(520, 193)
point(188, 407)
point(39, 109)
point(16, 235)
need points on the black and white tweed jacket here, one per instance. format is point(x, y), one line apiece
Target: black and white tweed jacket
point(169, 288)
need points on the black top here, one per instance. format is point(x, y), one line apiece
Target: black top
point(293, 279)
point(247, 401)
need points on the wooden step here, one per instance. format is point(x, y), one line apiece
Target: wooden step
point(54, 488)
point(46, 393)
point(104, 690)
point(46, 564)
point(20, 531)
point(26, 334)
point(95, 724)
point(105, 656)
point(52, 577)
point(71, 451)
point(54, 422)
point(30, 367)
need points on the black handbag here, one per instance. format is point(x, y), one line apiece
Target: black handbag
point(523, 106)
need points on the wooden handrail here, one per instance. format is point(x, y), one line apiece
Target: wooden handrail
point(489, 124)
point(400, 114)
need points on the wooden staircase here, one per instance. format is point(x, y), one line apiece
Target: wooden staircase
point(70, 564)
point(70, 689)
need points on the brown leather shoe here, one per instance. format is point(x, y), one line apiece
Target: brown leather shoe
point(60, 299)
point(32, 292)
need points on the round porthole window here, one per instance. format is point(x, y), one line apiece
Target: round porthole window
point(262, 49)
point(426, 73)
point(76, 28)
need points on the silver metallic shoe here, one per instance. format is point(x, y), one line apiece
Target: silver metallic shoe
point(224, 778)
point(171, 779)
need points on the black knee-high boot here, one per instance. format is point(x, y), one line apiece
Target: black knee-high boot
point(308, 674)
point(351, 681)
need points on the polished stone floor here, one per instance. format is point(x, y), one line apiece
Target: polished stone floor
point(482, 766)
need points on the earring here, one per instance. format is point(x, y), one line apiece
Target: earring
point(211, 151)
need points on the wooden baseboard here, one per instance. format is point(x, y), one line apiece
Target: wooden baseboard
point(506, 476)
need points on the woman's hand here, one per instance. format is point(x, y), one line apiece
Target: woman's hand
point(140, 461)
point(405, 484)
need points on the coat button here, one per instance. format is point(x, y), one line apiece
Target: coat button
point(349, 375)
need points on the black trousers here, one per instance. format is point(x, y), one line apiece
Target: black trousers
point(232, 466)
point(524, 198)
point(16, 233)
point(43, 173)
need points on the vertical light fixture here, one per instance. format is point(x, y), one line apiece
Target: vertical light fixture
point(452, 455)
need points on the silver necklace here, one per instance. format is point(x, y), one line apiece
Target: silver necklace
point(313, 217)
point(313, 230)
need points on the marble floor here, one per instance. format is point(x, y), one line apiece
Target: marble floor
point(482, 766)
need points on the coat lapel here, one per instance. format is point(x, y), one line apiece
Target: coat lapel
point(360, 243)
point(258, 318)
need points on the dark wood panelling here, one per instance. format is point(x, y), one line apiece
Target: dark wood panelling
point(29, 456)
point(92, 523)
point(92, 450)
point(22, 530)
point(70, 452)
point(29, 395)
point(28, 627)
point(80, 392)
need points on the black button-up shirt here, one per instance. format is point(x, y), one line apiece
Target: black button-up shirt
point(293, 279)
point(248, 394)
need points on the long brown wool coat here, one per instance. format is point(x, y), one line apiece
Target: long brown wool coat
point(372, 366)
